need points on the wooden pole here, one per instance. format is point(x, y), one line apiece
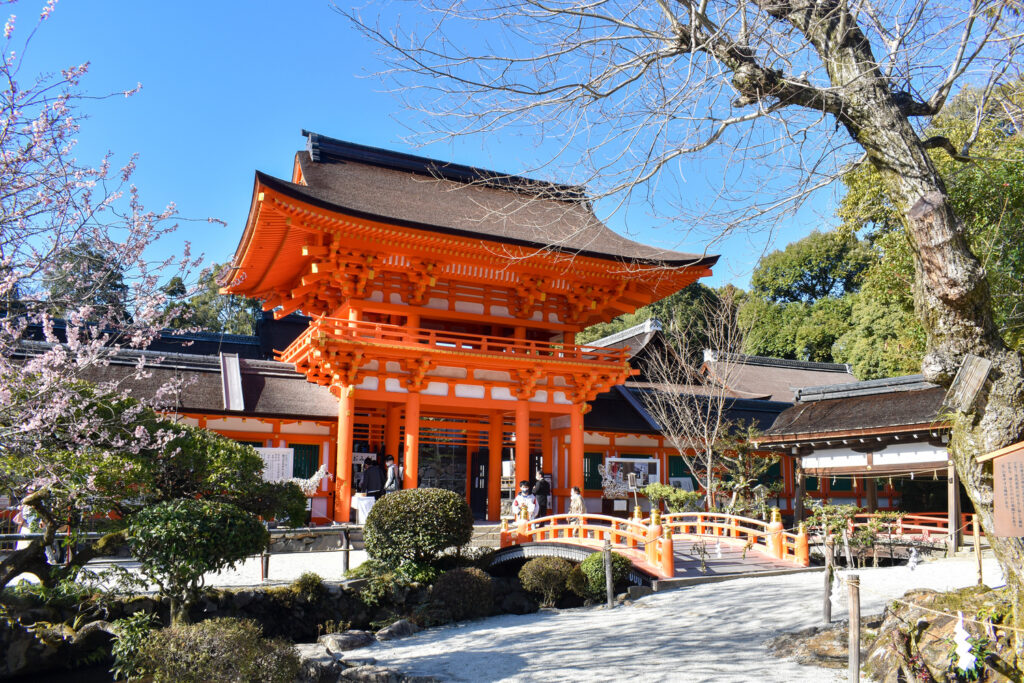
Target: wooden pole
point(522, 442)
point(975, 532)
point(853, 582)
point(343, 453)
point(800, 492)
point(412, 441)
point(576, 446)
point(953, 508)
point(608, 573)
point(826, 608)
point(494, 443)
point(346, 547)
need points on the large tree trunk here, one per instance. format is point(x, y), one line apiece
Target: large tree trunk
point(951, 294)
point(952, 300)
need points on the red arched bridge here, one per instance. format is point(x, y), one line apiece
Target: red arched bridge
point(682, 544)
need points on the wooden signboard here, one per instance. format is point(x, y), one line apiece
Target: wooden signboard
point(1008, 503)
point(277, 463)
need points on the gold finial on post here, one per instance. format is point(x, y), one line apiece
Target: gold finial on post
point(777, 515)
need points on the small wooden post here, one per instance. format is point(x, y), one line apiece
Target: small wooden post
point(826, 608)
point(264, 565)
point(853, 581)
point(608, 573)
point(977, 545)
point(846, 547)
point(346, 546)
point(952, 509)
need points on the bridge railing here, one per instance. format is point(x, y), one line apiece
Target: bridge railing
point(768, 537)
point(656, 546)
point(655, 540)
point(923, 525)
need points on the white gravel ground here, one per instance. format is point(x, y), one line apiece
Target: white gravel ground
point(712, 632)
point(286, 567)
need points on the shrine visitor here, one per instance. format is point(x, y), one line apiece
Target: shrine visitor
point(524, 501)
point(542, 490)
point(372, 483)
point(394, 480)
point(576, 506)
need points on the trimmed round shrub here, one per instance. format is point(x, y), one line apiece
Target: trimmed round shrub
point(310, 585)
point(178, 541)
point(416, 525)
point(593, 571)
point(464, 593)
point(546, 576)
point(218, 650)
point(577, 582)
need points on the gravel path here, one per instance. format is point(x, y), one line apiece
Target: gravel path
point(712, 632)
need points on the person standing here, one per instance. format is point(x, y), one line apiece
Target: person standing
point(542, 491)
point(577, 507)
point(525, 504)
point(373, 480)
point(394, 479)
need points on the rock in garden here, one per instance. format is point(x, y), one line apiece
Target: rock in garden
point(317, 665)
point(337, 643)
point(399, 629)
point(379, 674)
point(519, 603)
point(637, 592)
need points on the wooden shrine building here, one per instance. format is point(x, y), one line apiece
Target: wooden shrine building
point(444, 304)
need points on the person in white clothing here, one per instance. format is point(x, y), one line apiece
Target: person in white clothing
point(524, 501)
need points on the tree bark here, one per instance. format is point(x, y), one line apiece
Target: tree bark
point(951, 294)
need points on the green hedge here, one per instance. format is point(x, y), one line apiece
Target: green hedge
point(593, 570)
point(417, 525)
point(464, 593)
point(218, 650)
point(547, 576)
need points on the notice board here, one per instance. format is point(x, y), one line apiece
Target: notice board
point(277, 463)
point(1008, 503)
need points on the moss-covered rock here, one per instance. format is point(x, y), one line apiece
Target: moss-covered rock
point(916, 637)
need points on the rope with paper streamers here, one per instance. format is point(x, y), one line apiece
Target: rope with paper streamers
point(986, 624)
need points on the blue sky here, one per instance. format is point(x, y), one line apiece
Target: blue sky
point(227, 87)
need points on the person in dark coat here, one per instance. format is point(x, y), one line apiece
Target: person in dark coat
point(373, 480)
point(542, 491)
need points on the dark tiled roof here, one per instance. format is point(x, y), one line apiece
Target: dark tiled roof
point(756, 412)
point(886, 385)
point(643, 341)
point(867, 411)
point(269, 388)
point(443, 197)
point(774, 378)
point(617, 411)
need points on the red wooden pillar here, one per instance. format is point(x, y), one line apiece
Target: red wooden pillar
point(522, 441)
point(494, 443)
point(545, 445)
point(343, 461)
point(412, 441)
point(392, 430)
point(576, 446)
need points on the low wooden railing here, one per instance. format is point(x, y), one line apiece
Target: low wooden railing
point(924, 525)
point(398, 335)
point(656, 538)
point(768, 537)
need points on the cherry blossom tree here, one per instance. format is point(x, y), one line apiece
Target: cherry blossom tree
point(61, 435)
